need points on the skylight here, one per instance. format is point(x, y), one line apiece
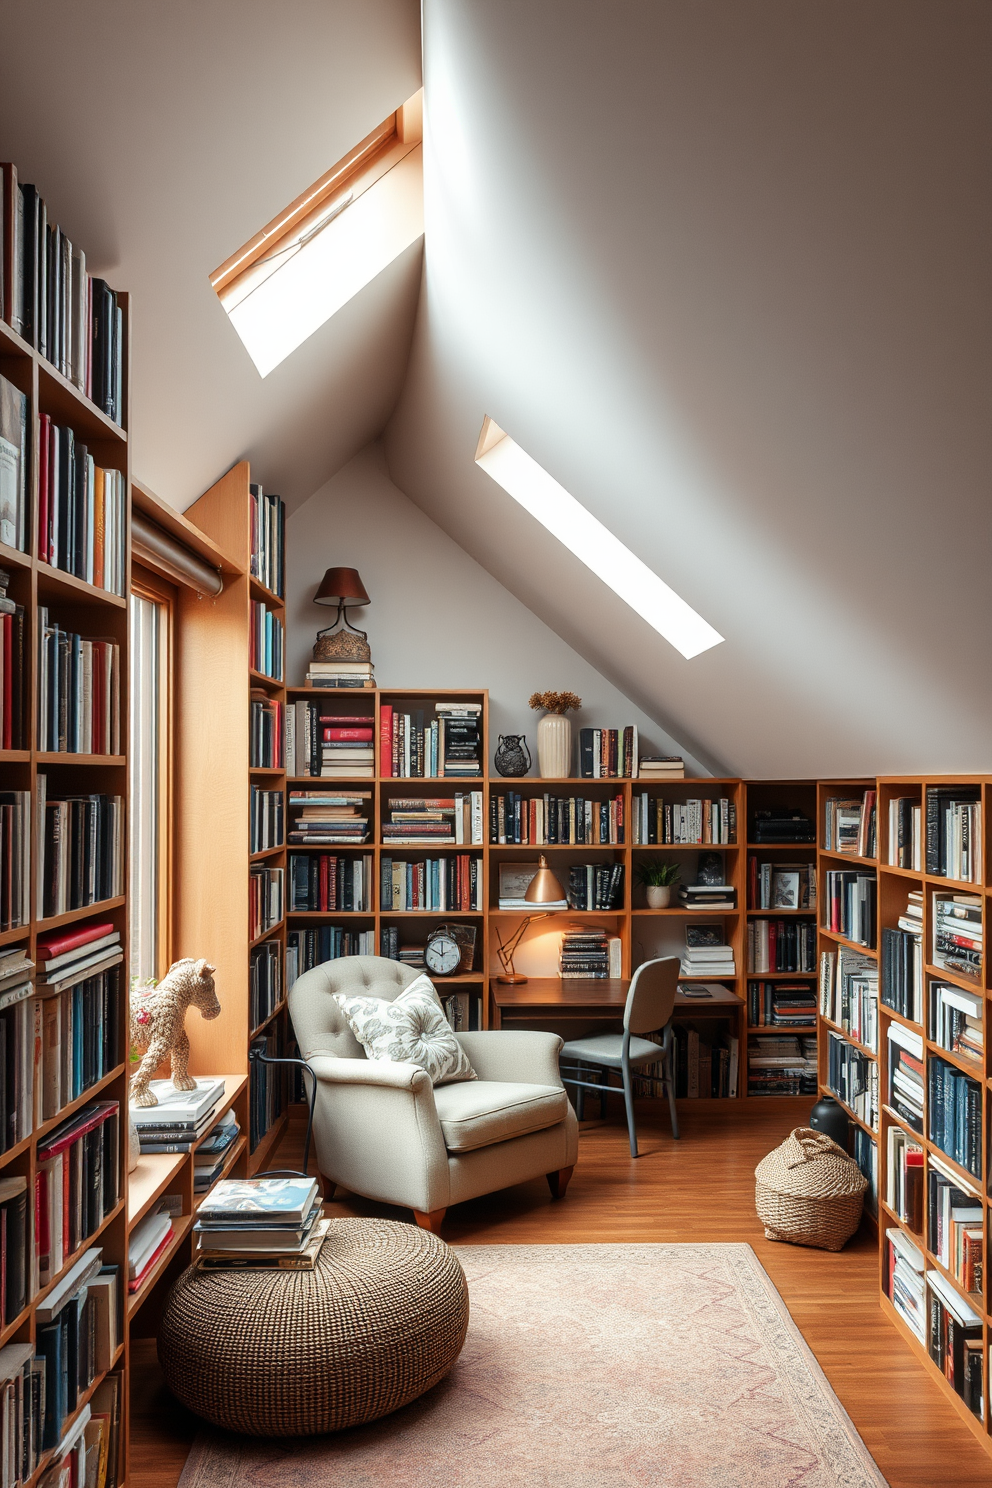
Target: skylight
point(585, 536)
point(327, 245)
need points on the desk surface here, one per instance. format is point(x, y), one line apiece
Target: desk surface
point(581, 992)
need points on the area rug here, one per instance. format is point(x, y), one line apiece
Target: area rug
point(593, 1366)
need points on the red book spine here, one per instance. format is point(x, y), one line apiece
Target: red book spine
point(348, 735)
point(386, 739)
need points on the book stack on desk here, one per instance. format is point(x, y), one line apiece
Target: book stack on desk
point(180, 1118)
point(261, 1224)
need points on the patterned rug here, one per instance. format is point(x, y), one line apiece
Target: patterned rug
point(593, 1366)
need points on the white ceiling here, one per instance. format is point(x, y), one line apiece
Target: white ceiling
point(162, 137)
point(721, 267)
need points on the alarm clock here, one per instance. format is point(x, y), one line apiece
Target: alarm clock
point(442, 954)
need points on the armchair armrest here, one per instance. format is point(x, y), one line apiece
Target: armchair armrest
point(514, 1054)
point(386, 1073)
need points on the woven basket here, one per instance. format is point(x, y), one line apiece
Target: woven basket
point(809, 1192)
point(380, 1319)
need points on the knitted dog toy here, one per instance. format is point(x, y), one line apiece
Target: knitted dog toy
point(157, 1022)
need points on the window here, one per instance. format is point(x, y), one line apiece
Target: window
point(328, 244)
point(151, 612)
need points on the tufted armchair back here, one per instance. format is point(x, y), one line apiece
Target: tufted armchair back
point(319, 1024)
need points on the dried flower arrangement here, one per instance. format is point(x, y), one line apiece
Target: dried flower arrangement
point(555, 702)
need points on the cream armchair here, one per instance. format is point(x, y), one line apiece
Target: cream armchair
point(382, 1130)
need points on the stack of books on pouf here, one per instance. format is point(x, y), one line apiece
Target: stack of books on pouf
point(211, 1154)
point(260, 1224)
point(661, 767)
point(181, 1117)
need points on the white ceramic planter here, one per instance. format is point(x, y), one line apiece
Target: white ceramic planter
point(554, 746)
point(658, 896)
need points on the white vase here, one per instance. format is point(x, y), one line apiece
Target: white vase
point(659, 896)
point(554, 746)
point(133, 1144)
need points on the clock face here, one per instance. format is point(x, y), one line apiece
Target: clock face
point(442, 955)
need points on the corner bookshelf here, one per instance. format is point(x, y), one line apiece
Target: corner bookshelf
point(96, 613)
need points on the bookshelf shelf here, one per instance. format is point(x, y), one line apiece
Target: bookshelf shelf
point(267, 935)
point(858, 1121)
point(102, 906)
point(852, 945)
point(67, 404)
point(59, 586)
point(66, 756)
point(942, 974)
point(266, 852)
point(276, 1012)
point(851, 858)
point(684, 913)
point(262, 679)
point(152, 1176)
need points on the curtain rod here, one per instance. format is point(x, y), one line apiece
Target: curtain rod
point(151, 544)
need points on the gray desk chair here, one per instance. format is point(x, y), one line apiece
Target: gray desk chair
point(649, 1007)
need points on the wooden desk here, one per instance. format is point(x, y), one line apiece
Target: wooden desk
point(543, 999)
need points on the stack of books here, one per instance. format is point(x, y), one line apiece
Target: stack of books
point(460, 745)
point(181, 1116)
point(705, 955)
point(211, 1154)
point(906, 1074)
point(334, 674)
point(708, 896)
point(781, 1005)
point(957, 933)
point(589, 951)
point(956, 1020)
point(782, 826)
point(261, 1223)
point(778, 1064)
point(409, 955)
point(661, 767)
point(13, 733)
point(69, 956)
point(324, 818)
point(905, 1283)
point(424, 819)
point(146, 1243)
point(347, 749)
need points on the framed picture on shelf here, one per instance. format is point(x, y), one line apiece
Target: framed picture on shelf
point(514, 881)
point(785, 889)
point(704, 935)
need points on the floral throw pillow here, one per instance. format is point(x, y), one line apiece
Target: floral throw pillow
point(410, 1030)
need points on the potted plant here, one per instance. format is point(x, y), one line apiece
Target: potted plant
point(554, 732)
point(659, 879)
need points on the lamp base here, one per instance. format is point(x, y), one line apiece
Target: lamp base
point(512, 979)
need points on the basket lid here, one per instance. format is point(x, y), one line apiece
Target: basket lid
point(810, 1164)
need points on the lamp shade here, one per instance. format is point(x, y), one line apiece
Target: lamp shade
point(544, 887)
point(341, 585)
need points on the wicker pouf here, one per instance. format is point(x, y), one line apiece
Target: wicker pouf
point(380, 1320)
point(809, 1192)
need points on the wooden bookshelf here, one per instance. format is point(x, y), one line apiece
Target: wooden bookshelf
point(91, 612)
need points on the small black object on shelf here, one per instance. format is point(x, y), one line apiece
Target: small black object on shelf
point(831, 1119)
point(512, 758)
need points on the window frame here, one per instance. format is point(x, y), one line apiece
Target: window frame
point(151, 587)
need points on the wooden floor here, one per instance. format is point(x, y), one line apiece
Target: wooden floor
point(701, 1188)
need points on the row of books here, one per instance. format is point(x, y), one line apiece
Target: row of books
point(902, 973)
point(905, 833)
point(411, 955)
point(853, 1078)
point(77, 1184)
point(268, 540)
point(589, 951)
point(267, 1092)
point(954, 832)
point(849, 994)
point(82, 858)
point(849, 905)
point(13, 674)
point(608, 754)
point(265, 987)
point(266, 731)
point(266, 899)
point(782, 825)
point(954, 1110)
point(705, 1064)
point(15, 859)
point(549, 820)
point(849, 825)
point(595, 886)
point(781, 1005)
point(781, 1064)
point(958, 935)
point(864, 1150)
point(905, 1073)
point(955, 1341)
point(781, 885)
point(323, 817)
point(434, 819)
point(904, 1177)
point(956, 1020)
point(82, 507)
point(319, 943)
point(79, 691)
point(696, 821)
point(905, 1281)
point(78, 1334)
point(955, 1233)
point(266, 642)
point(321, 882)
point(308, 752)
point(72, 318)
point(463, 1010)
point(451, 883)
point(781, 945)
point(266, 819)
point(15, 486)
point(411, 746)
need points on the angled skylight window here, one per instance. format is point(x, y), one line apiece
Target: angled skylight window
point(329, 243)
point(596, 546)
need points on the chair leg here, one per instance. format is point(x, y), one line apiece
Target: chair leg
point(558, 1181)
point(670, 1088)
point(432, 1221)
point(327, 1188)
point(580, 1095)
point(605, 1077)
point(628, 1100)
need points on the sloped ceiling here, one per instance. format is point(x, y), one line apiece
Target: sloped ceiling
point(723, 269)
point(163, 135)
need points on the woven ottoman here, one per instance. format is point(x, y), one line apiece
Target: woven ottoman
point(380, 1319)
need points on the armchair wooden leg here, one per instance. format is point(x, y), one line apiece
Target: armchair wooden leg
point(327, 1188)
point(558, 1182)
point(432, 1221)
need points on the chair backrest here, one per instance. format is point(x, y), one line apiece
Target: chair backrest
point(318, 1022)
point(651, 998)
